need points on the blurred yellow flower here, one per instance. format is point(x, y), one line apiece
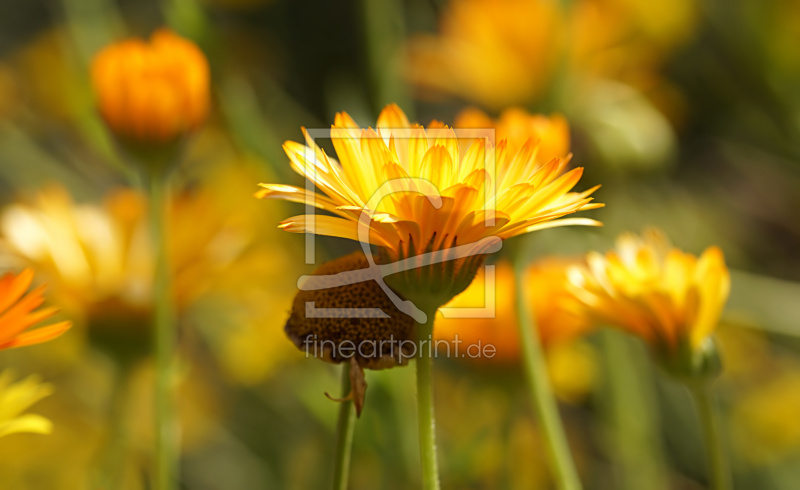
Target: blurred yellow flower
point(415, 192)
point(98, 261)
point(99, 257)
point(152, 92)
point(517, 126)
point(501, 53)
point(495, 52)
point(570, 361)
point(671, 299)
point(15, 398)
point(17, 312)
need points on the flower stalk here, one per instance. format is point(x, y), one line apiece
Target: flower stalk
point(425, 409)
point(344, 434)
point(716, 457)
point(544, 402)
point(165, 338)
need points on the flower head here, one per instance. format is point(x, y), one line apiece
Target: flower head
point(18, 313)
point(15, 398)
point(412, 191)
point(671, 299)
point(152, 91)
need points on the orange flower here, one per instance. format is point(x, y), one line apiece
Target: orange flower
point(546, 290)
point(494, 52)
point(517, 126)
point(152, 92)
point(17, 315)
point(570, 362)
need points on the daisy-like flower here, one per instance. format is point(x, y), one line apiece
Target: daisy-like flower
point(15, 398)
point(670, 299)
point(18, 312)
point(432, 209)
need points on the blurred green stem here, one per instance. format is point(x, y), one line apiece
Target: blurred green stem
point(165, 337)
point(384, 30)
point(427, 423)
point(716, 458)
point(544, 402)
point(112, 459)
point(344, 435)
point(632, 414)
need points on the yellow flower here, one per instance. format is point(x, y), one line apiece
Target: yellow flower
point(152, 92)
point(17, 313)
point(98, 261)
point(671, 299)
point(99, 258)
point(495, 52)
point(416, 192)
point(501, 53)
point(15, 398)
point(518, 126)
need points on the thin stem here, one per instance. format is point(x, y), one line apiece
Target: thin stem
point(427, 423)
point(630, 408)
point(717, 460)
point(165, 340)
point(344, 434)
point(541, 393)
point(112, 457)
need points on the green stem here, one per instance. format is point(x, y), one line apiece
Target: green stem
point(633, 442)
point(719, 470)
point(165, 340)
point(427, 423)
point(112, 457)
point(344, 435)
point(544, 402)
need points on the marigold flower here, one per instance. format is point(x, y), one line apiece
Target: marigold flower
point(17, 312)
point(500, 53)
point(496, 53)
point(571, 363)
point(411, 191)
point(15, 398)
point(546, 289)
point(517, 126)
point(152, 91)
point(671, 299)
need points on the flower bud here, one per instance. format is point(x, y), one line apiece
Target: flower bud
point(152, 92)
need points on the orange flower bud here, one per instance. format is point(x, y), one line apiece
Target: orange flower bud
point(152, 92)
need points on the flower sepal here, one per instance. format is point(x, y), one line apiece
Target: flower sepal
point(690, 364)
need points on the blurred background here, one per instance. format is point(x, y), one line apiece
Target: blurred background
point(686, 111)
